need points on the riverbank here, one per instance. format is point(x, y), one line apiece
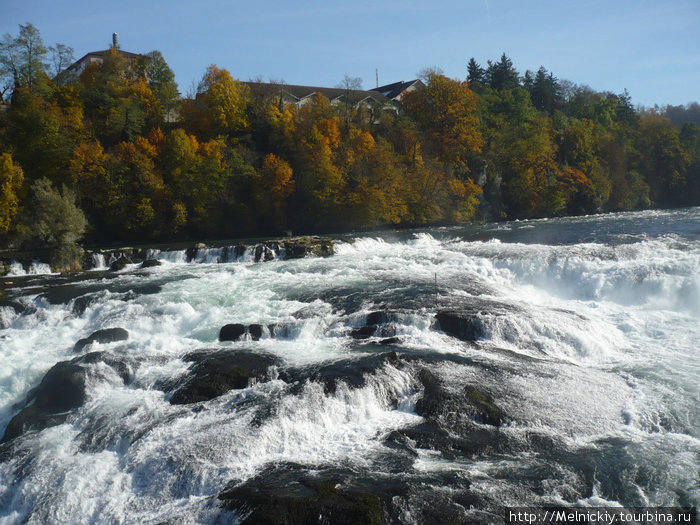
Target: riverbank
point(115, 258)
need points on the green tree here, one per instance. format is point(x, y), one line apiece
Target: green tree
point(544, 91)
point(476, 75)
point(54, 218)
point(161, 80)
point(43, 134)
point(502, 74)
point(662, 160)
point(61, 58)
point(23, 59)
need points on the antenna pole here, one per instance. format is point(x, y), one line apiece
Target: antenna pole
point(436, 291)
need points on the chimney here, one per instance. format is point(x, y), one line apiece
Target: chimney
point(115, 42)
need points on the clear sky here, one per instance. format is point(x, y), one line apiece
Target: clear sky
point(652, 48)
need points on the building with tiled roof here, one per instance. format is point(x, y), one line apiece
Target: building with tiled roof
point(300, 95)
point(93, 57)
point(396, 90)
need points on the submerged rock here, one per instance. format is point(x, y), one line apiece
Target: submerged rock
point(18, 307)
point(352, 372)
point(106, 335)
point(470, 401)
point(214, 374)
point(120, 263)
point(379, 323)
point(289, 493)
point(485, 410)
point(61, 390)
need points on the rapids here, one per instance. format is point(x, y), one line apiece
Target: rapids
point(577, 382)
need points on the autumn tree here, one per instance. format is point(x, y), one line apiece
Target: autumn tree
point(89, 176)
point(220, 105)
point(118, 100)
point(275, 185)
point(349, 85)
point(446, 110)
point(11, 178)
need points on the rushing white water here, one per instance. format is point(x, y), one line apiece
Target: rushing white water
point(588, 343)
point(98, 261)
point(35, 268)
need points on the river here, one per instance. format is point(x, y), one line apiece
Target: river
point(411, 377)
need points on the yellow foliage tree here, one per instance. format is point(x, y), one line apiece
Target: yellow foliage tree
point(11, 178)
point(225, 101)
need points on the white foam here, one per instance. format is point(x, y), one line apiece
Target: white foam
point(612, 329)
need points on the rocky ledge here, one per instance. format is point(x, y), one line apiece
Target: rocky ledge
point(117, 258)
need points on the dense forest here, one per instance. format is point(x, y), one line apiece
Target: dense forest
point(96, 158)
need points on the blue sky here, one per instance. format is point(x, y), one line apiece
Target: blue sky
point(652, 48)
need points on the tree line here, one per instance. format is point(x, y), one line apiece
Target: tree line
point(115, 154)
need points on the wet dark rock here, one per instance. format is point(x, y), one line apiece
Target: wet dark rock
point(300, 247)
point(63, 294)
point(376, 324)
point(236, 331)
point(215, 373)
point(150, 263)
point(466, 326)
point(120, 263)
point(379, 317)
point(239, 251)
point(435, 397)
point(61, 390)
point(363, 333)
point(258, 253)
point(17, 307)
point(263, 253)
point(390, 341)
point(106, 335)
point(288, 494)
point(430, 435)
point(231, 332)
point(255, 331)
point(80, 304)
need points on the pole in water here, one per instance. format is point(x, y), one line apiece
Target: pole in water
point(436, 291)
